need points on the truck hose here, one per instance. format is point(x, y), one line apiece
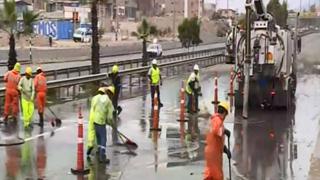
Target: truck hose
point(22, 141)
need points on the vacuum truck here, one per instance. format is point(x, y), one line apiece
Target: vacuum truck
point(271, 61)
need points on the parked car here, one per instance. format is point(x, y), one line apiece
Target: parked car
point(82, 35)
point(154, 50)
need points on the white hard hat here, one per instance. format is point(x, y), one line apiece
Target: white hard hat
point(196, 67)
point(154, 61)
point(155, 40)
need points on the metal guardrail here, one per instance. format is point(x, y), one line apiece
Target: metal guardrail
point(124, 64)
point(201, 61)
point(305, 33)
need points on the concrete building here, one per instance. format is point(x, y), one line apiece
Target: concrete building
point(209, 9)
point(58, 5)
point(146, 7)
point(39, 5)
point(227, 13)
point(186, 8)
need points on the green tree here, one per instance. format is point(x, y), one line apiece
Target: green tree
point(285, 13)
point(195, 25)
point(83, 2)
point(189, 32)
point(313, 8)
point(143, 33)
point(279, 12)
point(8, 23)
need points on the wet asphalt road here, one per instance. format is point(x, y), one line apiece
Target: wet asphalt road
point(270, 145)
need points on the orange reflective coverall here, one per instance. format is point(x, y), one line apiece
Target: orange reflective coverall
point(214, 149)
point(40, 84)
point(11, 79)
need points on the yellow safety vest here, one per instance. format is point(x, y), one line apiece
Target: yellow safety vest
point(102, 110)
point(192, 77)
point(155, 76)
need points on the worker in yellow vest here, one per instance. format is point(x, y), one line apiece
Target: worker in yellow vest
point(193, 90)
point(101, 114)
point(155, 80)
point(27, 90)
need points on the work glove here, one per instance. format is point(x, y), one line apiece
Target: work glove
point(227, 151)
point(227, 132)
point(160, 83)
point(119, 109)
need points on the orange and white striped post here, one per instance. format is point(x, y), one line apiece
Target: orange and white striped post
point(80, 162)
point(182, 105)
point(155, 124)
point(215, 101)
point(231, 93)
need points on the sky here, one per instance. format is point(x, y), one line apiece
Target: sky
point(239, 4)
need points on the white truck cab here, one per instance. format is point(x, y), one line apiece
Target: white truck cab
point(82, 35)
point(154, 49)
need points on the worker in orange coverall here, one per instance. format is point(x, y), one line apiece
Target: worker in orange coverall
point(40, 84)
point(12, 78)
point(215, 144)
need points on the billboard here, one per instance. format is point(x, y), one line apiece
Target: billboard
point(58, 29)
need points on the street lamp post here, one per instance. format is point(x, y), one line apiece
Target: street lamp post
point(174, 20)
point(247, 60)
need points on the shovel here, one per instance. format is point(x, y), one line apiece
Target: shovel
point(57, 121)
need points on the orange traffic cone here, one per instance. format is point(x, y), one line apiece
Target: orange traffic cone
point(155, 126)
point(80, 162)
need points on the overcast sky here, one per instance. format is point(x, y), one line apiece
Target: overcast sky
point(239, 4)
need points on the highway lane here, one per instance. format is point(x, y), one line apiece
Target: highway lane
point(84, 51)
point(61, 65)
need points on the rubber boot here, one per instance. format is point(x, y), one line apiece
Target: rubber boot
point(104, 160)
point(41, 120)
point(89, 151)
point(5, 120)
point(15, 120)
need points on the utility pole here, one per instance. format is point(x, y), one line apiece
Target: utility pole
point(174, 20)
point(296, 45)
point(247, 60)
point(186, 10)
point(30, 48)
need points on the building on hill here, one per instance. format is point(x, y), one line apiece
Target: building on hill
point(186, 8)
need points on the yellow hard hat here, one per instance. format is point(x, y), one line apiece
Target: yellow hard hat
point(115, 68)
point(103, 90)
point(111, 89)
point(17, 67)
point(29, 70)
point(225, 105)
